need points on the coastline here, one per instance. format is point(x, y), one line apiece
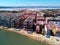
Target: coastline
point(38, 37)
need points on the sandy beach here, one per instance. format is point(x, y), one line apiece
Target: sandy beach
point(51, 41)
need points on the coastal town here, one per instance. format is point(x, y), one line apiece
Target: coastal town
point(41, 25)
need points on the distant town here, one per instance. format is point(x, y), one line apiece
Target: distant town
point(18, 18)
point(45, 22)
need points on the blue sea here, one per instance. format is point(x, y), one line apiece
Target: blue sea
point(28, 7)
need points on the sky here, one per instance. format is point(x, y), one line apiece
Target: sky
point(29, 2)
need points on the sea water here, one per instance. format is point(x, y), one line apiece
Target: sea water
point(12, 38)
